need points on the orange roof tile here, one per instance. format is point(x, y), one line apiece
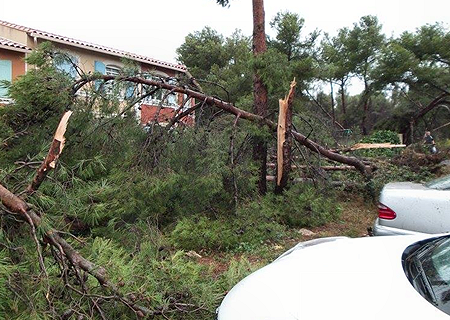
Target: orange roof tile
point(88, 45)
point(13, 44)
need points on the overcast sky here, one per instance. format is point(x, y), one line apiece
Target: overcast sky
point(157, 27)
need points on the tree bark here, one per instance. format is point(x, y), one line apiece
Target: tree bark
point(260, 106)
point(365, 104)
point(333, 113)
point(344, 106)
point(439, 100)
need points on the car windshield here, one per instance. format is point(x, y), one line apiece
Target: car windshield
point(429, 272)
point(442, 183)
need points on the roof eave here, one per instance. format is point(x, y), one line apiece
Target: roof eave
point(37, 35)
point(12, 48)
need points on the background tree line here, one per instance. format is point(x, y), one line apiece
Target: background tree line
point(403, 80)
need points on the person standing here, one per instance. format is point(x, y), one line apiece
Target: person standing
point(429, 141)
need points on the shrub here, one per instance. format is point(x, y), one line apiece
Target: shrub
point(300, 206)
point(381, 136)
point(238, 234)
point(257, 221)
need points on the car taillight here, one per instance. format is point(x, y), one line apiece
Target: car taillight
point(384, 212)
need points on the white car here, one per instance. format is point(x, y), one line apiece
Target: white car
point(412, 208)
point(349, 279)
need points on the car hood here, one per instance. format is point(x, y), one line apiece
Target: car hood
point(341, 279)
point(404, 186)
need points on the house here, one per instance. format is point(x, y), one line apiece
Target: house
point(12, 64)
point(17, 41)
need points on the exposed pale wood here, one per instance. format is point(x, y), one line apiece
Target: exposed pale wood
point(362, 146)
point(326, 168)
point(284, 140)
point(281, 137)
point(53, 154)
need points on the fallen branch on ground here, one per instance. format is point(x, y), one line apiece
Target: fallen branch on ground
point(326, 168)
point(19, 207)
point(364, 146)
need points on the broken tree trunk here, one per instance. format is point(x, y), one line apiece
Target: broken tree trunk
point(54, 152)
point(284, 139)
point(230, 108)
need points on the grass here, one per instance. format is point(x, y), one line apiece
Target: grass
point(357, 215)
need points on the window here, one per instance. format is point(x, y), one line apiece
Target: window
point(67, 64)
point(427, 269)
point(112, 70)
point(170, 99)
point(442, 183)
point(5, 75)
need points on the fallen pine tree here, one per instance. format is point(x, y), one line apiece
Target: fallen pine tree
point(73, 265)
point(227, 107)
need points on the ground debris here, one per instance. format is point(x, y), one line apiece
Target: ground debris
point(306, 232)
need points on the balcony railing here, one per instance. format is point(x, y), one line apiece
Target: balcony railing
point(5, 101)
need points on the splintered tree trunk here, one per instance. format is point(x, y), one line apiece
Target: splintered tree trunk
point(259, 92)
point(284, 140)
point(56, 148)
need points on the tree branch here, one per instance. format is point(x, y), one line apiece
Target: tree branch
point(230, 108)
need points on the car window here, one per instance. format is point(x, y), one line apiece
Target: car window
point(442, 183)
point(429, 272)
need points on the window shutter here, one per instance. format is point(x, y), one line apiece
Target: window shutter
point(5, 75)
point(101, 68)
point(129, 93)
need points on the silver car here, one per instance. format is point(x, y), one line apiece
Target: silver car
point(370, 278)
point(412, 208)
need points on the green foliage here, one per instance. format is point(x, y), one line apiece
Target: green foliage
point(223, 3)
point(7, 270)
point(247, 230)
point(135, 199)
point(380, 136)
point(202, 50)
point(395, 173)
point(300, 207)
point(256, 222)
point(288, 27)
point(40, 98)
